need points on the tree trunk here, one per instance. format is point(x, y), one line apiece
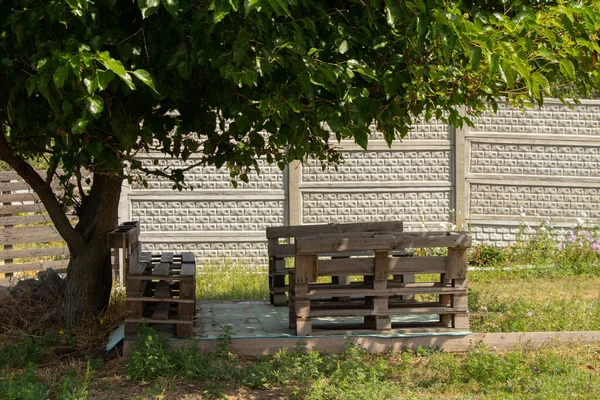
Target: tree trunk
point(89, 275)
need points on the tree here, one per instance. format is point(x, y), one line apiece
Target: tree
point(87, 85)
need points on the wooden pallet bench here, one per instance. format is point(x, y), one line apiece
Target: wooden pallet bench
point(378, 296)
point(161, 290)
point(282, 248)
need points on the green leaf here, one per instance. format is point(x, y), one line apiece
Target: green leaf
point(475, 58)
point(306, 86)
point(343, 47)
point(91, 83)
point(172, 7)
point(110, 63)
point(148, 7)
point(392, 14)
point(250, 5)
point(127, 79)
point(60, 75)
point(104, 78)
point(280, 7)
point(567, 68)
point(30, 85)
point(95, 105)
point(542, 81)
point(508, 49)
point(145, 77)
point(79, 126)
point(508, 73)
point(361, 137)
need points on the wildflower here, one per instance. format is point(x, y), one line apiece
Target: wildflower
point(529, 314)
point(572, 238)
point(453, 227)
point(584, 214)
point(561, 246)
point(580, 221)
point(443, 225)
point(522, 209)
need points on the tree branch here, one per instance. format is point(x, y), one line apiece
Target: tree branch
point(33, 179)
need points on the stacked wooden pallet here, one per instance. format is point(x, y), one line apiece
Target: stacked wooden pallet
point(161, 291)
point(125, 248)
point(378, 297)
point(282, 250)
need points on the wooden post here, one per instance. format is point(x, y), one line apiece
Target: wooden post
point(379, 304)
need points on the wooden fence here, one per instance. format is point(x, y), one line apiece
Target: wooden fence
point(28, 238)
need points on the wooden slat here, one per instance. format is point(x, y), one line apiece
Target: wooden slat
point(303, 230)
point(282, 250)
point(9, 176)
point(33, 266)
point(138, 269)
point(367, 241)
point(306, 268)
point(166, 257)
point(347, 267)
point(30, 239)
point(160, 321)
point(418, 265)
point(162, 290)
point(188, 270)
point(13, 186)
point(23, 208)
point(456, 267)
point(161, 300)
point(392, 290)
point(391, 311)
point(29, 219)
point(160, 270)
point(27, 253)
point(145, 257)
point(123, 236)
point(161, 312)
point(28, 230)
point(187, 257)
point(19, 197)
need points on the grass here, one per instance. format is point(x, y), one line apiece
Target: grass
point(229, 281)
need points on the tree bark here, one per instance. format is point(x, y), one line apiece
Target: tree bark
point(89, 275)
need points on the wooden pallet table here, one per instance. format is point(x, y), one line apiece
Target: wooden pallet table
point(378, 296)
point(161, 291)
point(281, 253)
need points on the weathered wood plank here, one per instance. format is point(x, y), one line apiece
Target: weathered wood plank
point(54, 238)
point(306, 268)
point(161, 270)
point(303, 230)
point(166, 257)
point(19, 198)
point(456, 267)
point(27, 253)
point(390, 311)
point(13, 186)
point(30, 219)
point(28, 230)
point(188, 270)
point(34, 266)
point(322, 290)
point(23, 208)
point(418, 265)
point(187, 257)
point(368, 241)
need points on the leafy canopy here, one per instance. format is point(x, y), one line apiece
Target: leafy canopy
point(90, 84)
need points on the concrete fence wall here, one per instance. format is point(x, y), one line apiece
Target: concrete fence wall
point(545, 160)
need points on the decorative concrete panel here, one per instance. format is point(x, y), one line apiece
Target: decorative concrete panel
point(557, 202)
point(250, 254)
point(552, 118)
point(211, 178)
point(390, 167)
point(374, 206)
point(531, 159)
point(206, 215)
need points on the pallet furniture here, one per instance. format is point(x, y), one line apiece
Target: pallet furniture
point(125, 248)
point(281, 251)
point(161, 291)
point(376, 298)
point(160, 288)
